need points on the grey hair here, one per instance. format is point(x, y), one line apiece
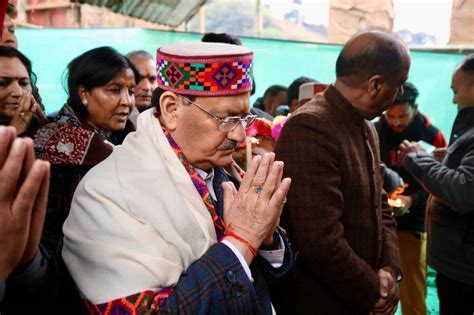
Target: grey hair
point(140, 54)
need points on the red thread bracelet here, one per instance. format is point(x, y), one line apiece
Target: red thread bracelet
point(229, 233)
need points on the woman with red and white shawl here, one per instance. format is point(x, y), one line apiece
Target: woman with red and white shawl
point(101, 84)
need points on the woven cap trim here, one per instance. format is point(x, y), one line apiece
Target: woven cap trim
point(205, 75)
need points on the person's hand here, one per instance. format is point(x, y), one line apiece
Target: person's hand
point(407, 201)
point(37, 217)
point(440, 153)
point(269, 238)
point(389, 294)
point(407, 147)
point(25, 112)
point(24, 186)
point(253, 212)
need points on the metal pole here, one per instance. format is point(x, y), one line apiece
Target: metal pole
point(20, 7)
point(202, 20)
point(258, 24)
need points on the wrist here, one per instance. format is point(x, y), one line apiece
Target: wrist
point(247, 235)
point(242, 248)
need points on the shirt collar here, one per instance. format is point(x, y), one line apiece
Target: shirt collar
point(208, 178)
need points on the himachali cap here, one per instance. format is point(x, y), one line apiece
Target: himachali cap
point(204, 69)
point(310, 89)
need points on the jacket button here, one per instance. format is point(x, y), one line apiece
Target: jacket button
point(230, 275)
point(236, 292)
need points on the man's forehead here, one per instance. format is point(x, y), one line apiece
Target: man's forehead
point(147, 73)
point(458, 77)
point(234, 105)
point(399, 108)
point(142, 64)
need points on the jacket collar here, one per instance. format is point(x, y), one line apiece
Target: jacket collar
point(349, 112)
point(463, 122)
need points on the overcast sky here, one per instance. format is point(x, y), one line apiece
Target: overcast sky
point(427, 16)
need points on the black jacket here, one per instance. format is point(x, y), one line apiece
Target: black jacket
point(451, 205)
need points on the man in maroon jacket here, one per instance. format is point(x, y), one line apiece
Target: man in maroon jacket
point(336, 213)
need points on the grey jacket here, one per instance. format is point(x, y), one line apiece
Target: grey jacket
point(450, 217)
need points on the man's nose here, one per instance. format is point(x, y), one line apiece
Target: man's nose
point(145, 85)
point(237, 133)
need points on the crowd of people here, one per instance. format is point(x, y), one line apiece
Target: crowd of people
point(157, 188)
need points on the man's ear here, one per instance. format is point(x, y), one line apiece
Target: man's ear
point(169, 109)
point(374, 85)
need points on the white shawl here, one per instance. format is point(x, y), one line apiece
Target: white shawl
point(137, 222)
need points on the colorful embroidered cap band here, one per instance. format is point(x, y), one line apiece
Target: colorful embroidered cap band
point(204, 69)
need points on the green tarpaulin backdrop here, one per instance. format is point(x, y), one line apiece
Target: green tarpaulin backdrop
point(276, 62)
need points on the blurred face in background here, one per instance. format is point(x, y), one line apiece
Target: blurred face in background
point(399, 116)
point(14, 83)
point(147, 84)
point(8, 34)
point(271, 103)
point(462, 85)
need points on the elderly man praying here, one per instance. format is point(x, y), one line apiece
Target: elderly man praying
point(166, 224)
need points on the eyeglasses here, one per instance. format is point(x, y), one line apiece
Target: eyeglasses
point(228, 123)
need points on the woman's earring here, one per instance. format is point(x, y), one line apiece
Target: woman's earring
point(84, 102)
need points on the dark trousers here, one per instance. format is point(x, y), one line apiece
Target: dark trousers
point(455, 298)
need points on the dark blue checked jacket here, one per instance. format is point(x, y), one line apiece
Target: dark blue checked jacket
point(217, 283)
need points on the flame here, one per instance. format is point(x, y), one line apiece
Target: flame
point(397, 203)
point(394, 200)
